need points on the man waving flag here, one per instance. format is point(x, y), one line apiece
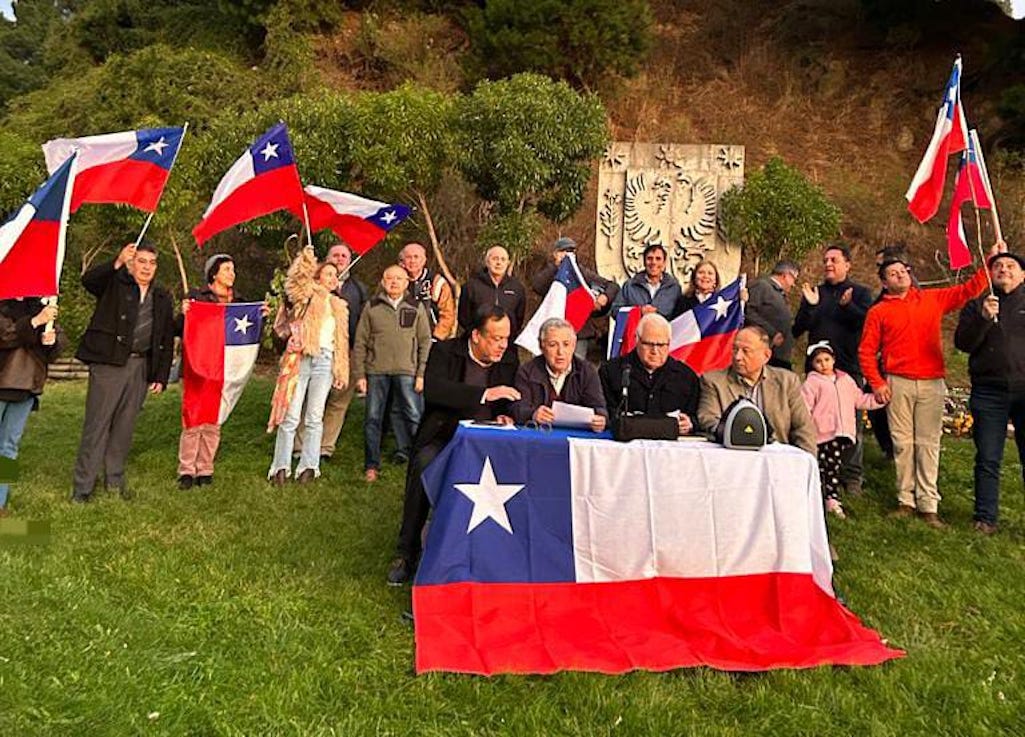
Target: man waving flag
point(265, 179)
point(127, 168)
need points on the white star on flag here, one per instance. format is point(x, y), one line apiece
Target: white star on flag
point(721, 306)
point(242, 324)
point(389, 217)
point(489, 498)
point(270, 151)
point(157, 146)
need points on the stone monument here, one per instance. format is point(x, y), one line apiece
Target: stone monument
point(665, 193)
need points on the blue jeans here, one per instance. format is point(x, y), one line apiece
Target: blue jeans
point(991, 408)
point(405, 415)
point(314, 384)
point(13, 416)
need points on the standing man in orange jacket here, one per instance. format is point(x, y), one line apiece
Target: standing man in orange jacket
point(904, 328)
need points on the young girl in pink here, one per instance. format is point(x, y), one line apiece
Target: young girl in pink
point(833, 398)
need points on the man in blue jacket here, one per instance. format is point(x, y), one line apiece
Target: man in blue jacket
point(654, 289)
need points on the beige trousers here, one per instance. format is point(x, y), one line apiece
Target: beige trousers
point(334, 417)
point(916, 425)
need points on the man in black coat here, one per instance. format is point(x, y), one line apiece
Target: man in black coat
point(128, 346)
point(835, 311)
point(492, 285)
point(990, 330)
point(465, 379)
point(604, 291)
point(658, 384)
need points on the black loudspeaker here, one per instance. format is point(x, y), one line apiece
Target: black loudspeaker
point(742, 426)
point(642, 427)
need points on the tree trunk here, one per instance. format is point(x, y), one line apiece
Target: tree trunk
point(436, 247)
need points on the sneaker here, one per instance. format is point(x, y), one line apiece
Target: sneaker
point(903, 511)
point(933, 520)
point(370, 475)
point(833, 506)
point(400, 572)
point(399, 458)
point(204, 480)
point(185, 482)
point(986, 528)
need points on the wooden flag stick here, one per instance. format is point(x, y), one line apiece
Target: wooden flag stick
point(181, 267)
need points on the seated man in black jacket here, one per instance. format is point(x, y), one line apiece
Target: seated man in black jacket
point(558, 375)
point(128, 346)
point(655, 383)
point(465, 379)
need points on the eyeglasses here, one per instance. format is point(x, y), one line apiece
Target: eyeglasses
point(654, 346)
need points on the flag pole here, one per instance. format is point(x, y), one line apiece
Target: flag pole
point(975, 206)
point(181, 266)
point(986, 182)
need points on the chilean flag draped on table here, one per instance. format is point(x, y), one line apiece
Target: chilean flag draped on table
point(219, 350)
point(263, 180)
point(568, 297)
point(701, 337)
point(971, 185)
point(126, 168)
point(553, 552)
point(361, 222)
point(949, 137)
point(32, 241)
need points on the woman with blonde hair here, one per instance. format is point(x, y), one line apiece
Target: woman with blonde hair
point(315, 359)
point(704, 281)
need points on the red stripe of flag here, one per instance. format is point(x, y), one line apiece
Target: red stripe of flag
point(203, 364)
point(128, 181)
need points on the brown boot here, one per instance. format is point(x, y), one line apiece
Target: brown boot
point(903, 511)
point(933, 520)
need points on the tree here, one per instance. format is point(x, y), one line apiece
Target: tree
point(576, 40)
point(778, 214)
point(527, 145)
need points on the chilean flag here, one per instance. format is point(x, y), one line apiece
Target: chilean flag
point(362, 223)
point(219, 348)
point(568, 297)
point(263, 180)
point(127, 168)
point(949, 137)
point(32, 240)
point(550, 552)
point(702, 337)
point(971, 185)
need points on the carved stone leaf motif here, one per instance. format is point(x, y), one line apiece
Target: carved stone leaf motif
point(608, 221)
point(613, 158)
point(729, 158)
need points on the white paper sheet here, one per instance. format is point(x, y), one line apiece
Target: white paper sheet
point(572, 415)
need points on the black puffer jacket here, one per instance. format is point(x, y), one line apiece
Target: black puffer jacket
point(509, 294)
point(108, 339)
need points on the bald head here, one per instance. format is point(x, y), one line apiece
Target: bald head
point(413, 258)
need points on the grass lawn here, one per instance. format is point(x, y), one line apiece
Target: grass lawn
point(241, 609)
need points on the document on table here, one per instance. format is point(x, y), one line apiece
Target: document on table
point(572, 415)
point(486, 425)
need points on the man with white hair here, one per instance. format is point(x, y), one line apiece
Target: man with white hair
point(491, 286)
point(652, 381)
point(557, 375)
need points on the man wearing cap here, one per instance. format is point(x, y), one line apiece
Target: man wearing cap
point(128, 346)
point(356, 295)
point(604, 290)
point(429, 289)
point(834, 312)
point(904, 329)
point(990, 330)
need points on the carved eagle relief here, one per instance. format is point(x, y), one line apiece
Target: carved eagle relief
point(667, 208)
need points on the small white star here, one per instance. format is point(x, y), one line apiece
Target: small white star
point(270, 151)
point(389, 217)
point(242, 324)
point(489, 498)
point(157, 146)
point(721, 306)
